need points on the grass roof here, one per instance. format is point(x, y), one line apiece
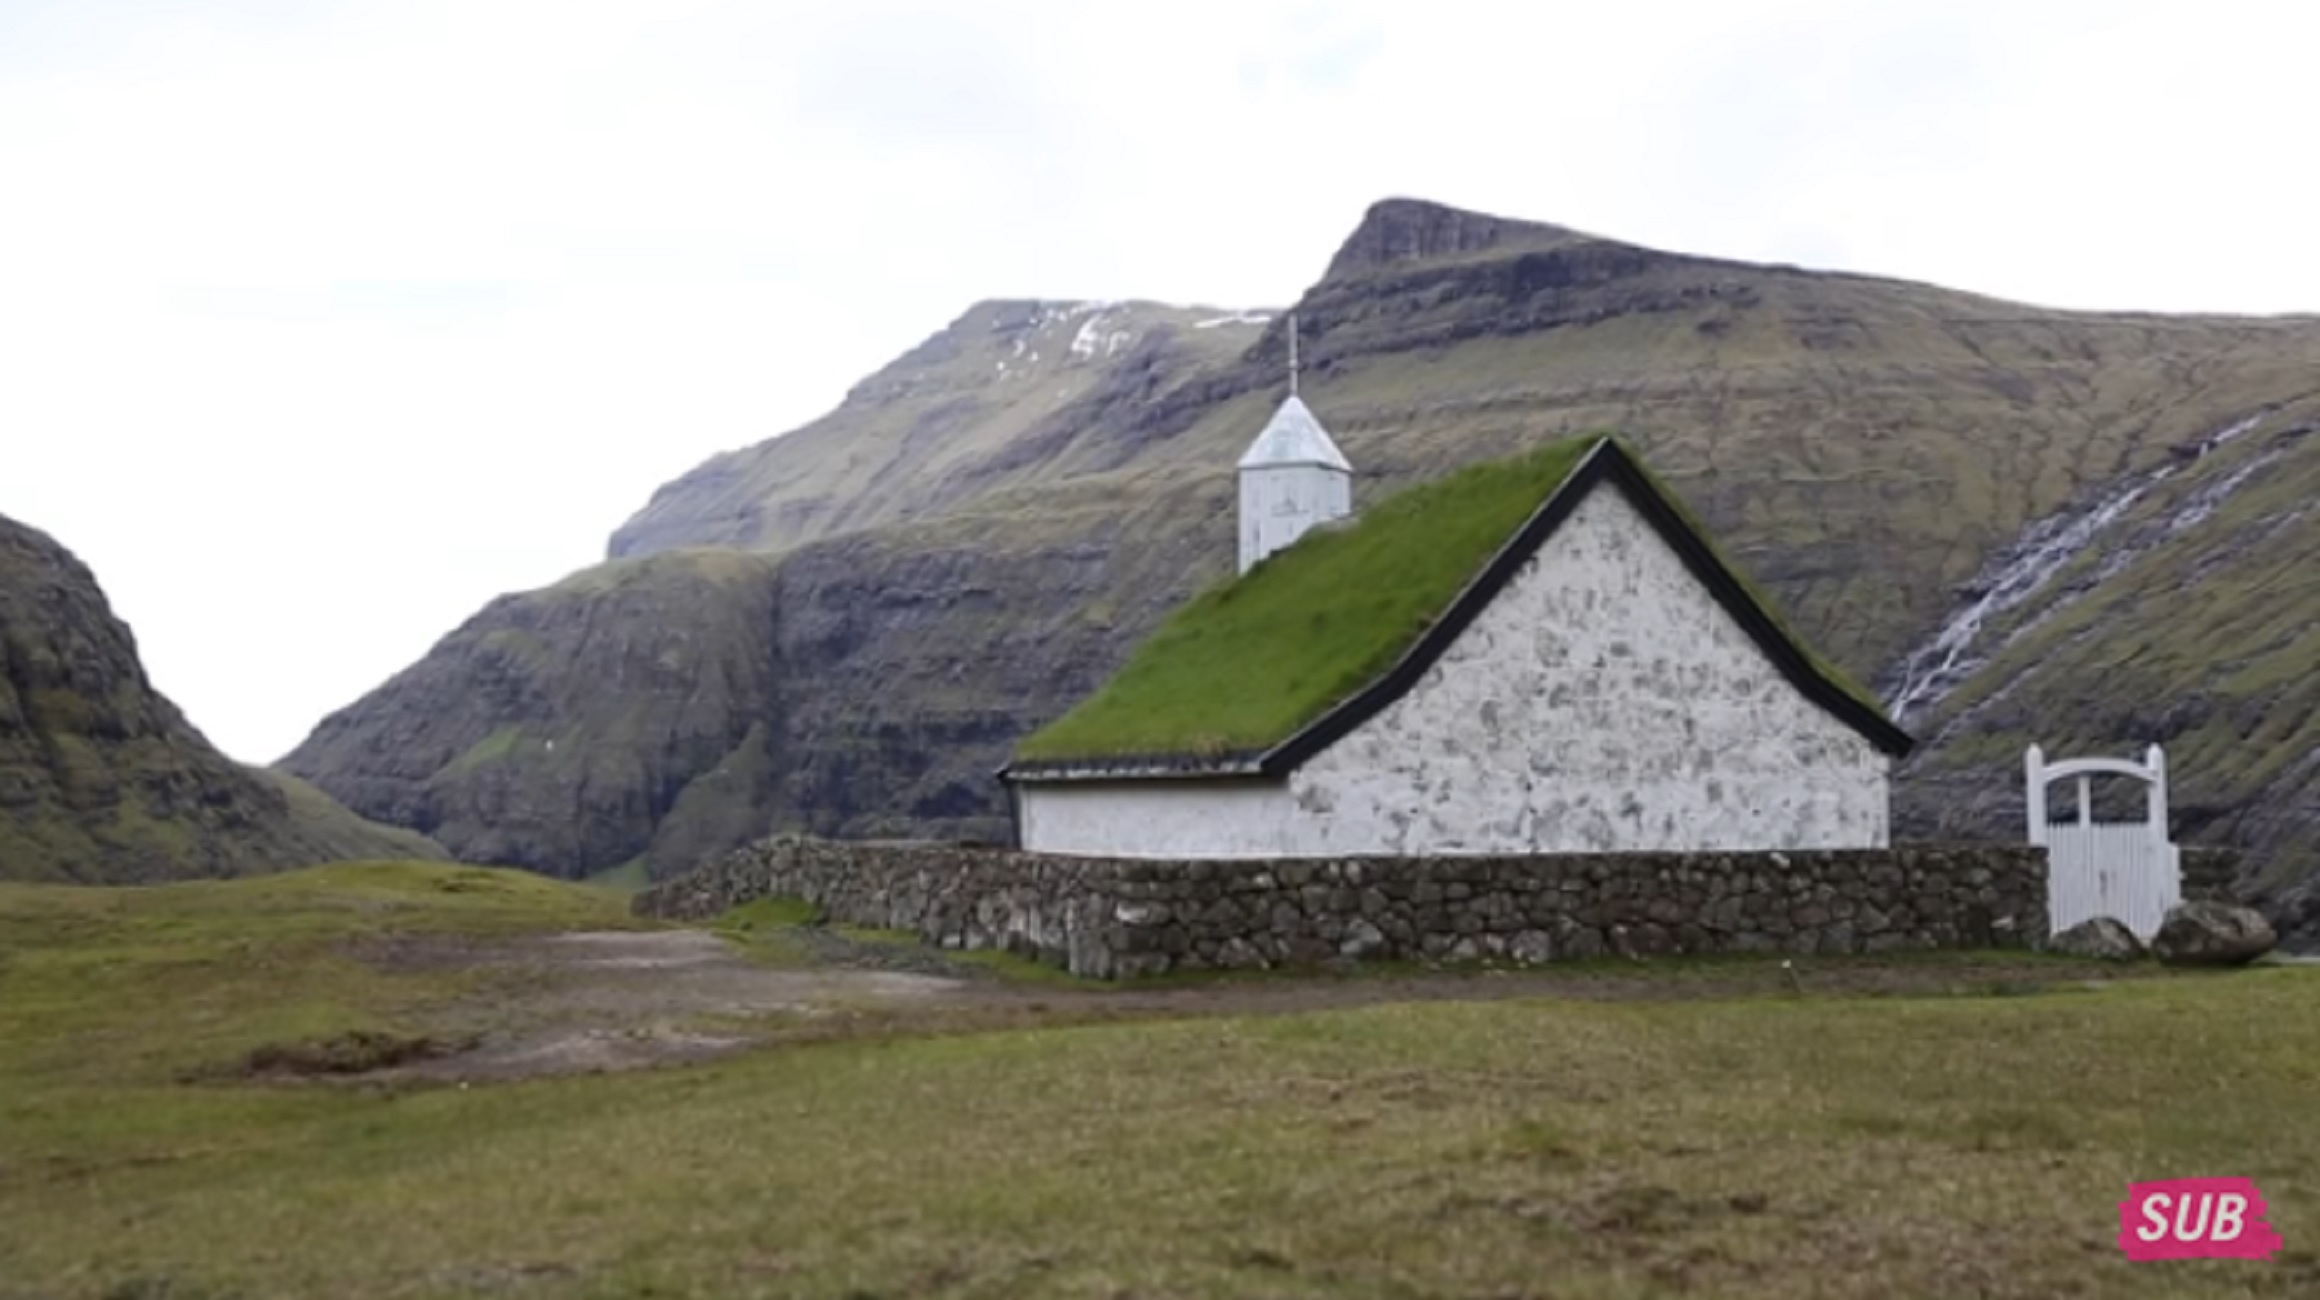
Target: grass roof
point(1254, 659)
point(1249, 661)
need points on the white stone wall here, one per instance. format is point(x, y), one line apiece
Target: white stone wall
point(1604, 702)
point(1278, 503)
point(1166, 819)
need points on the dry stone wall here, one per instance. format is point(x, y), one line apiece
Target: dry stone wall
point(1110, 918)
point(2210, 874)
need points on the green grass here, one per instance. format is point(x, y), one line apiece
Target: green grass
point(627, 878)
point(1254, 658)
point(1019, 969)
point(767, 930)
point(769, 914)
point(336, 834)
point(1895, 1147)
point(120, 986)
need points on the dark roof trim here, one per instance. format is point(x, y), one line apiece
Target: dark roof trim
point(1609, 462)
point(1143, 767)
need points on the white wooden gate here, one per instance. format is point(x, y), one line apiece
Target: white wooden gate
point(2127, 870)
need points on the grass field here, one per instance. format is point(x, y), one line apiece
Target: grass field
point(1813, 1145)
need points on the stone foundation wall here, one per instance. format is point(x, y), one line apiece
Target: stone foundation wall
point(1112, 918)
point(2210, 874)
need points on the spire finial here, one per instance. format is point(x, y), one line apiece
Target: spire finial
point(1292, 354)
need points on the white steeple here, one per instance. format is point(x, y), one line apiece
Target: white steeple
point(1294, 437)
point(1292, 477)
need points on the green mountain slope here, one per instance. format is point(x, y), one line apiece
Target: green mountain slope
point(966, 411)
point(1864, 447)
point(103, 781)
point(2177, 606)
point(562, 728)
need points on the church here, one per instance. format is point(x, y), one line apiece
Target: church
point(1539, 655)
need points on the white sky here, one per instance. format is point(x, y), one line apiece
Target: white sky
point(322, 324)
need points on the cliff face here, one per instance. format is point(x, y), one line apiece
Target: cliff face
point(1413, 230)
point(954, 556)
point(102, 780)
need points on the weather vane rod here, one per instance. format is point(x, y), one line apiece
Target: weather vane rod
point(1292, 354)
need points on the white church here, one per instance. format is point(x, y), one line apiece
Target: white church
point(1602, 682)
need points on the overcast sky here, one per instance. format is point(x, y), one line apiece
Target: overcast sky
point(322, 324)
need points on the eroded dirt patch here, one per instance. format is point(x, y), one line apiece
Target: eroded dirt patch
point(359, 1052)
point(591, 1001)
point(616, 1000)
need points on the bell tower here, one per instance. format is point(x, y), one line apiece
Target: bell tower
point(1292, 477)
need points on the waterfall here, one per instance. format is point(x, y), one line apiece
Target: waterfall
point(2019, 572)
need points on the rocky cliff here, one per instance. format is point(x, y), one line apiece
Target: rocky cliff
point(962, 548)
point(561, 729)
point(103, 781)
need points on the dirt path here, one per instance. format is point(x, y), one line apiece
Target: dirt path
point(595, 1001)
point(616, 1000)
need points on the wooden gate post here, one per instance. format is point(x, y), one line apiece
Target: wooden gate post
point(2155, 795)
point(2034, 770)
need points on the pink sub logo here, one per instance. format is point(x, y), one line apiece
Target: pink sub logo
point(2195, 1218)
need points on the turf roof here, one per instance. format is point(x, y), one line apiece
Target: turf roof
point(1315, 631)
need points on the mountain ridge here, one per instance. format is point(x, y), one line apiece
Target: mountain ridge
point(935, 407)
point(949, 565)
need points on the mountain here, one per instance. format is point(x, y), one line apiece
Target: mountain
point(102, 780)
point(958, 416)
point(573, 718)
point(2112, 504)
point(2176, 603)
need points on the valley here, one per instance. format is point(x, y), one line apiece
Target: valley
point(1323, 652)
point(2085, 530)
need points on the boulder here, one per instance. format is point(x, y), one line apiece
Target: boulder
point(2104, 938)
point(2213, 934)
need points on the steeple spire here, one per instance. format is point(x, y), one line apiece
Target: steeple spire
point(1292, 354)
